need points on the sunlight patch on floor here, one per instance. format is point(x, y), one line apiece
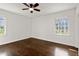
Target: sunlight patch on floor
point(3, 54)
point(60, 52)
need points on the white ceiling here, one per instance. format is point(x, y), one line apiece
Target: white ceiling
point(46, 8)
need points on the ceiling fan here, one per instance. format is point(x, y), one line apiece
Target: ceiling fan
point(31, 7)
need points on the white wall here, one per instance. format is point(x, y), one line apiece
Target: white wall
point(18, 27)
point(77, 25)
point(43, 27)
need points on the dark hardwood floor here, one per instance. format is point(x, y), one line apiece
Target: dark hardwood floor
point(37, 47)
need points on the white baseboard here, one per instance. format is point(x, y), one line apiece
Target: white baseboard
point(14, 40)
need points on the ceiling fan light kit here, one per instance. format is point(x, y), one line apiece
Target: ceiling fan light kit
point(31, 7)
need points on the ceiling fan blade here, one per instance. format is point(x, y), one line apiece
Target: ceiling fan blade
point(36, 4)
point(31, 11)
point(31, 5)
point(25, 8)
point(26, 4)
point(37, 10)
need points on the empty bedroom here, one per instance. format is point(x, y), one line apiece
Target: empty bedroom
point(39, 29)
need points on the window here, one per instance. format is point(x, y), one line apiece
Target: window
point(2, 26)
point(62, 26)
